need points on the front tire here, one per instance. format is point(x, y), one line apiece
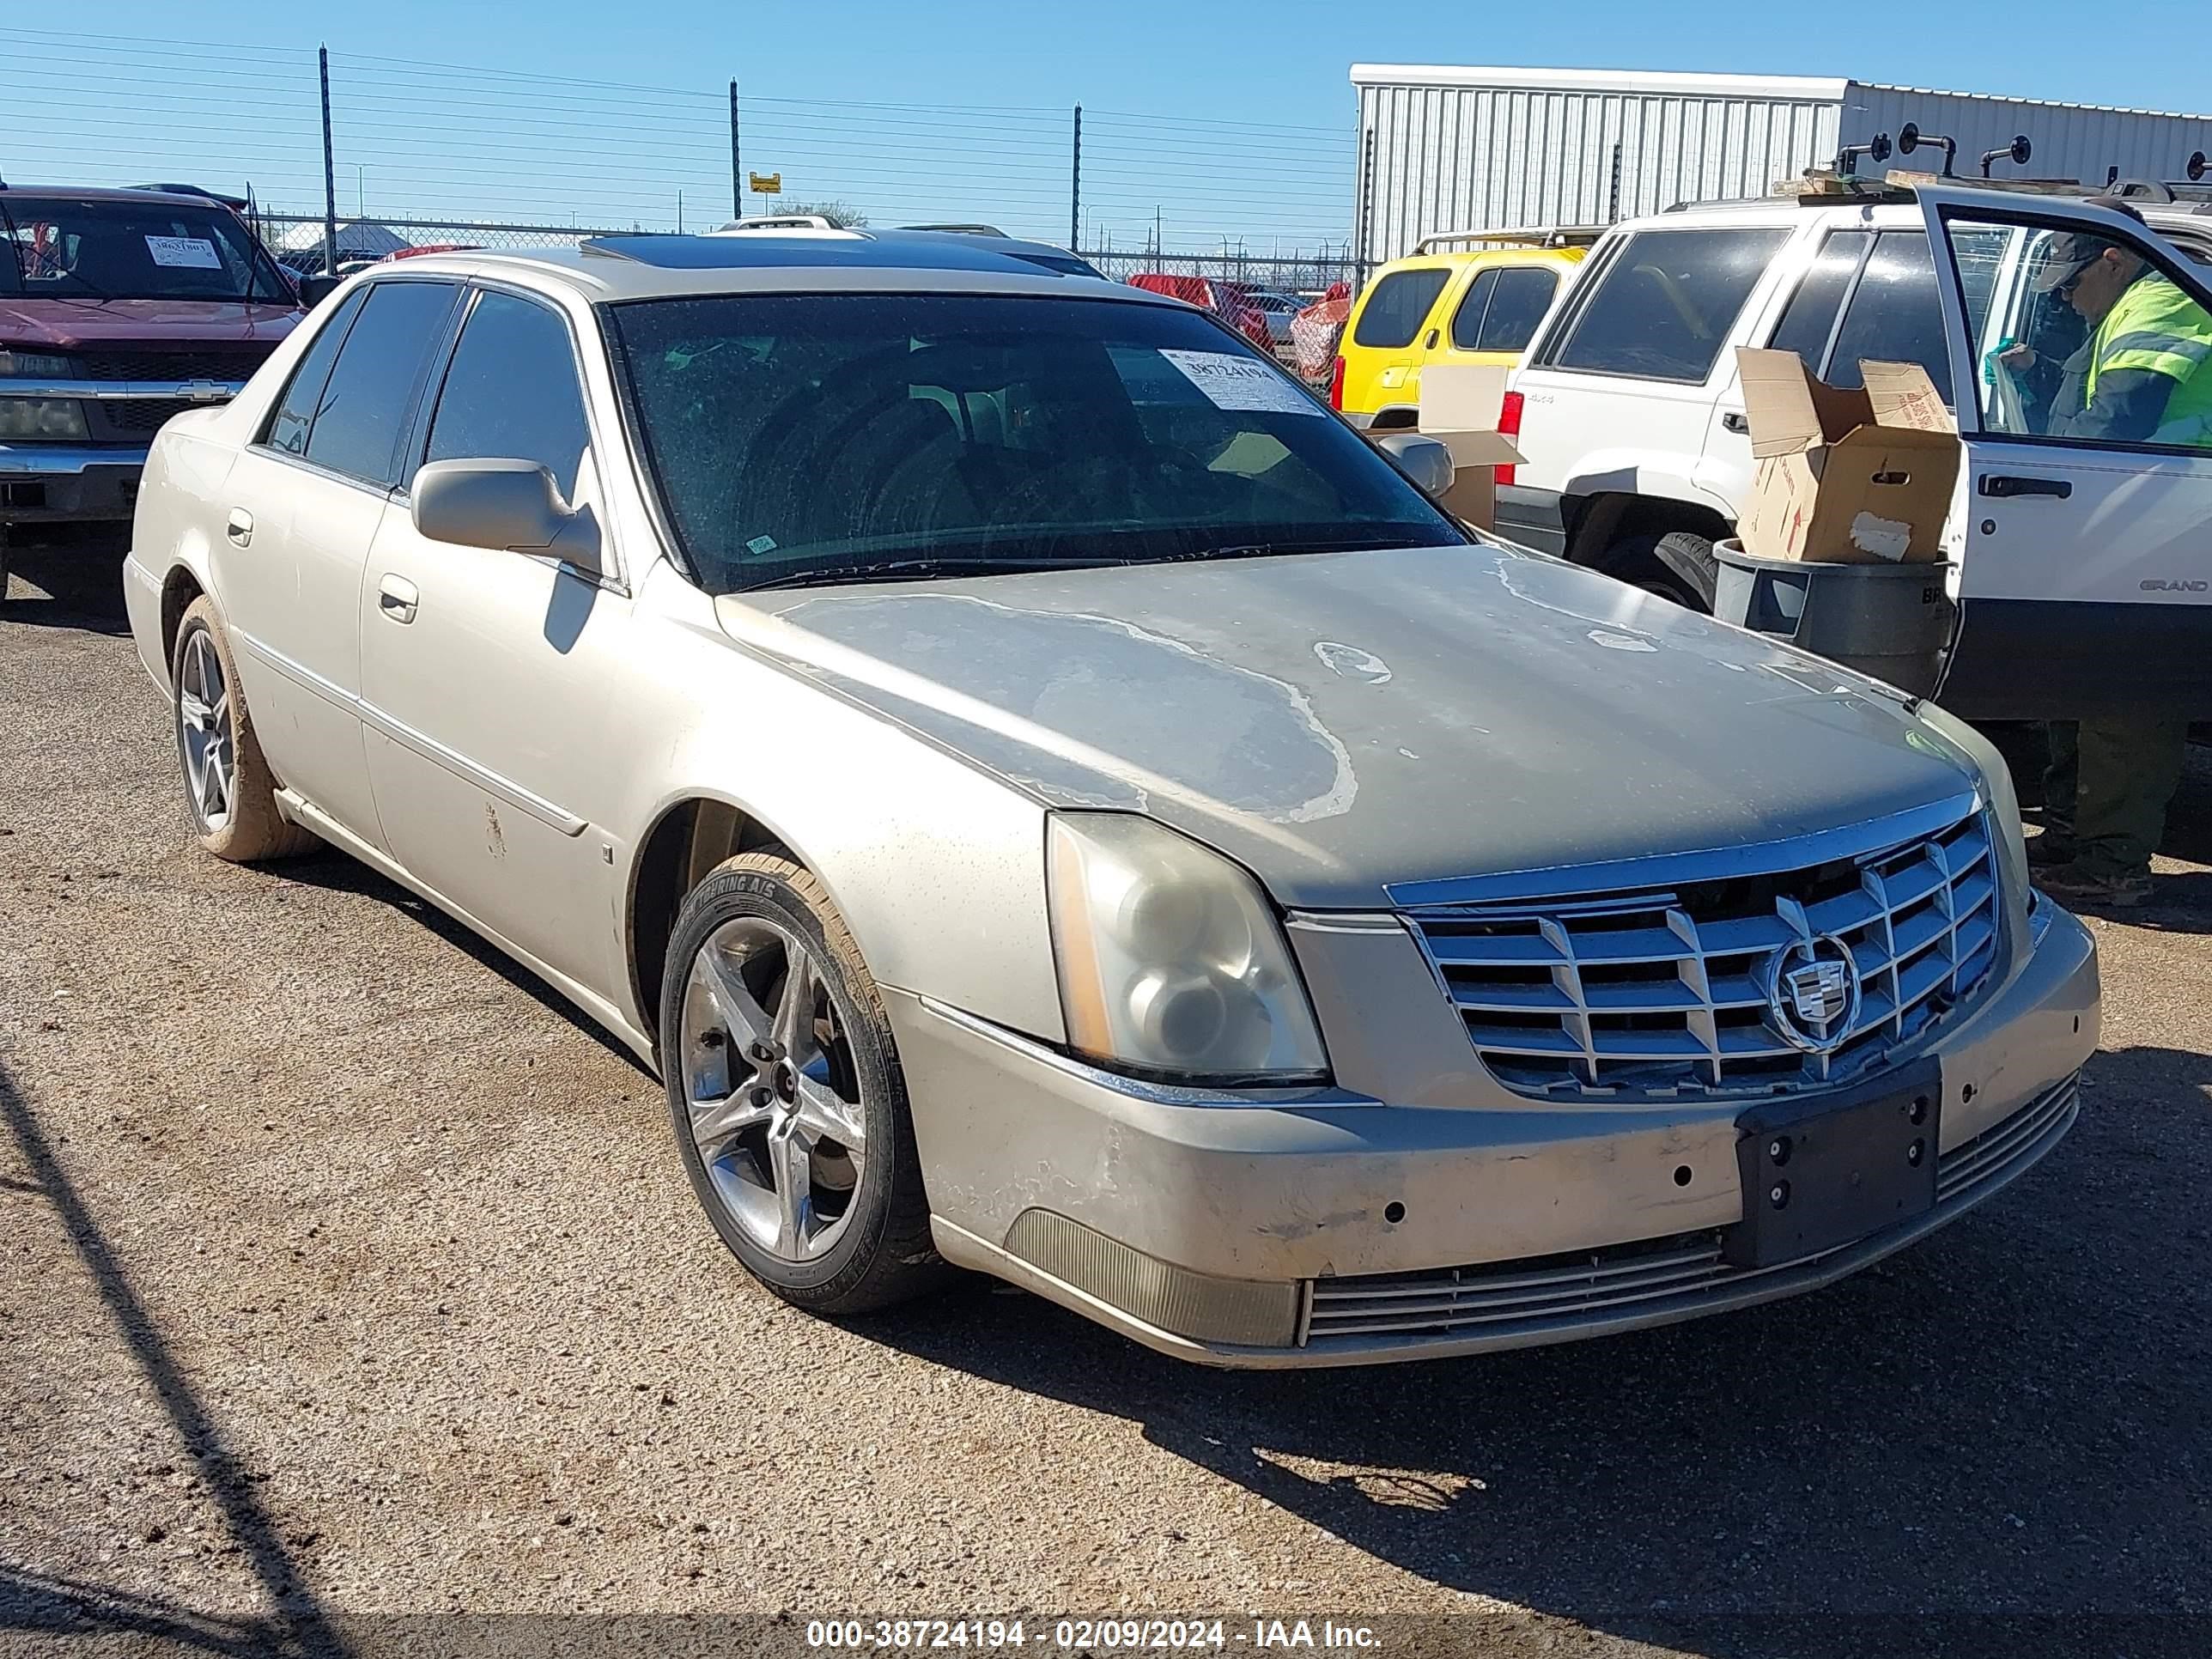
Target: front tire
point(229, 787)
point(785, 1095)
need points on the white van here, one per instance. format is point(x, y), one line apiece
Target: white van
point(2083, 570)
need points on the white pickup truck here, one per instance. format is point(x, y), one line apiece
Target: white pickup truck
point(2082, 569)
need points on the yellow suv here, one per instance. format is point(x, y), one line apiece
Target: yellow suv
point(1474, 304)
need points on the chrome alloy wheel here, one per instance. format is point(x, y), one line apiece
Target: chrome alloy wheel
point(206, 733)
point(773, 1104)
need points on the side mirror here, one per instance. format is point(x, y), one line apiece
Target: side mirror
point(317, 288)
point(1427, 462)
point(505, 505)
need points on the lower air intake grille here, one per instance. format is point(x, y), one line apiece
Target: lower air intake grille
point(1659, 1277)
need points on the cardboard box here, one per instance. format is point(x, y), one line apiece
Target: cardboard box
point(1459, 406)
point(1846, 476)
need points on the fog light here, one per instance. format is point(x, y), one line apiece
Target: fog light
point(42, 417)
point(1252, 1313)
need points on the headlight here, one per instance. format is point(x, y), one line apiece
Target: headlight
point(1171, 962)
point(47, 365)
point(42, 417)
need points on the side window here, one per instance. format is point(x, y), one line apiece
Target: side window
point(1810, 317)
point(2085, 338)
point(512, 391)
point(1895, 315)
point(1665, 303)
point(371, 392)
point(1524, 295)
point(1466, 321)
point(295, 410)
point(1399, 306)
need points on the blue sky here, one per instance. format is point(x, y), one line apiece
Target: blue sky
point(1227, 120)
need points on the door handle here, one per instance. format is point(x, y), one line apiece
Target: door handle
point(397, 598)
point(2004, 487)
point(1735, 420)
point(240, 527)
point(1430, 344)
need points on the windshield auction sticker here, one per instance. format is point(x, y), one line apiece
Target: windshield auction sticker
point(186, 253)
point(1234, 382)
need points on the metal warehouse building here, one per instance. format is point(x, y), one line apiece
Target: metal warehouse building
point(1452, 149)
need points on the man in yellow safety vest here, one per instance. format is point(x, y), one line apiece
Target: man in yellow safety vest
point(2141, 377)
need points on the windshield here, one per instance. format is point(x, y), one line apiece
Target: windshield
point(855, 436)
point(87, 248)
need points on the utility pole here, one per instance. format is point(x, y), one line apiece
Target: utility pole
point(1075, 188)
point(679, 213)
point(330, 171)
point(737, 178)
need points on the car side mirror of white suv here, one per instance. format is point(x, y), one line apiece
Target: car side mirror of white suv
point(505, 504)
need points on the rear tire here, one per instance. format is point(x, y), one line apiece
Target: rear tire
point(229, 790)
point(1678, 567)
point(792, 1115)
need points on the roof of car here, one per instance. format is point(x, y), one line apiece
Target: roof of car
point(105, 194)
point(647, 267)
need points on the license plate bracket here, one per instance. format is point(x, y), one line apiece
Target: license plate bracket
point(1828, 1170)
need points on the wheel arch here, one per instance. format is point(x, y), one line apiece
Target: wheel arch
point(1600, 523)
point(180, 587)
point(691, 836)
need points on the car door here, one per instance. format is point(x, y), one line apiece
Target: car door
point(485, 676)
point(1620, 390)
point(2084, 584)
point(1382, 348)
point(303, 504)
point(1497, 315)
point(1868, 293)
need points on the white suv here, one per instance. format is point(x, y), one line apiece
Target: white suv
point(2067, 552)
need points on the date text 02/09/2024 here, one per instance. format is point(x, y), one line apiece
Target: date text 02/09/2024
point(1101, 1635)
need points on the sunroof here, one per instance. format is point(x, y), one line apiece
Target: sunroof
point(753, 250)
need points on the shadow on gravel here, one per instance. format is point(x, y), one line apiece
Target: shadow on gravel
point(340, 872)
point(30, 1601)
point(68, 576)
point(38, 1602)
point(2013, 1417)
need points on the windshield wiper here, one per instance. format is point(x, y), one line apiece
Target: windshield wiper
point(1262, 550)
point(915, 569)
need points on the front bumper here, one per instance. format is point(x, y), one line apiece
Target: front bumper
point(1414, 1232)
point(45, 483)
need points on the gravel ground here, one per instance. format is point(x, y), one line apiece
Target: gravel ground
point(348, 1276)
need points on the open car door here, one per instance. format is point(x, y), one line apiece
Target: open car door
point(2085, 583)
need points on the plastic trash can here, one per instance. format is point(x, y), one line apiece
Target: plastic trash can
point(1889, 621)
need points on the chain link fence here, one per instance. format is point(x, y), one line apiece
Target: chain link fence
point(297, 239)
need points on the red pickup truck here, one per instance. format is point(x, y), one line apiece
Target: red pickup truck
point(118, 308)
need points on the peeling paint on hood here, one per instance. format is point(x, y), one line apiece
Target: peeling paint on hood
point(1340, 722)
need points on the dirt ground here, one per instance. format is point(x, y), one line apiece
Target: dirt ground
point(349, 1277)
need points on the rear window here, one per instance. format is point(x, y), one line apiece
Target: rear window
point(1663, 306)
point(1514, 303)
point(1810, 317)
point(1894, 315)
point(365, 404)
point(1399, 306)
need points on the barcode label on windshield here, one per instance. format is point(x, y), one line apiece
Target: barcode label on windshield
point(1239, 383)
point(187, 253)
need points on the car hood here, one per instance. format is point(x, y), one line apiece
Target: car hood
point(63, 324)
point(1343, 722)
